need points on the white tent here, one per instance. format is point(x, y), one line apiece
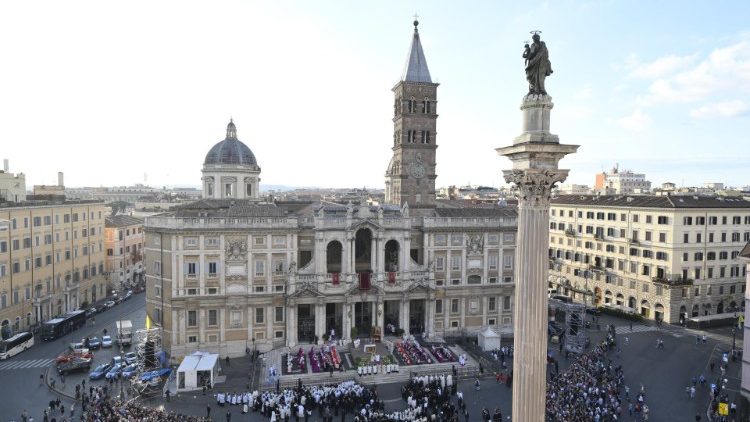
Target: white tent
point(197, 370)
point(488, 339)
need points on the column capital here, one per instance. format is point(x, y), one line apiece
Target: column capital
point(534, 186)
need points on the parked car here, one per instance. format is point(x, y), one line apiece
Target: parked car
point(94, 343)
point(128, 295)
point(90, 312)
point(100, 308)
point(117, 360)
point(74, 354)
point(75, 364)
point(130, 358)
point(107, 341)
point(100, 371)
point(129, 371)
point(113, 372)
point(109, 304)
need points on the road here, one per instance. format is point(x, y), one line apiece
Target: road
point(21, 372)
point(664, 373)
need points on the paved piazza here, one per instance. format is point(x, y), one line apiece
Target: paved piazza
point(664, 373)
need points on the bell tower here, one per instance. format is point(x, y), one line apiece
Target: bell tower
point(410, 177)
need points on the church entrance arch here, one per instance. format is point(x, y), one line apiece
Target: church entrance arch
point(306, 323)
point(416, 316)
point(363, 318)
point(391, 317)
point(334, 318)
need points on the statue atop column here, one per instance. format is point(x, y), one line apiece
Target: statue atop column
point(538, 66)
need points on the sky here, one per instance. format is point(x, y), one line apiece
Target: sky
point(118, 93)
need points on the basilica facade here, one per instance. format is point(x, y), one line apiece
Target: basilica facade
point(234, 271)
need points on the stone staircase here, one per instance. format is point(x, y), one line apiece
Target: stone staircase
point(405, 373)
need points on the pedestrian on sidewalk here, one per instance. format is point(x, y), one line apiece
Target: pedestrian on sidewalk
point(631, 325)
point(476, 384)
point(208, 411)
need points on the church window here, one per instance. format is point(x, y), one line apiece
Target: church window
point(425, 136)
point(249, 190)
point(412, 105)
point(228, 190)
point(426, 105)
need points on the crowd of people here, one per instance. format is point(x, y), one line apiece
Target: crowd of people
point(97, 405)
point(301, 403)
point(590, 390)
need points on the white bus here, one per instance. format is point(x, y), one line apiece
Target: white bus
point(15, 345)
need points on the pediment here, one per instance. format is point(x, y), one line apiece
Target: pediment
point(367, 223)
point(419, 286)
point(306, 292)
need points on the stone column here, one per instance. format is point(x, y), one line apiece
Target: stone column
point(291, 325)
point(380, 312)
point(347, 321)
point(405, 315)
point(535, 155)
point(320, 321)
point(430, 317)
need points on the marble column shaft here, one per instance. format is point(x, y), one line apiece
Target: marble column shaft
point(529, 330)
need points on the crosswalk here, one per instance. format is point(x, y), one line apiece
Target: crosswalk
point(638, 328)
point(24, 364)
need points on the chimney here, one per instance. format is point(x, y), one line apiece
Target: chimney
point(60, 179)
point(6, 166)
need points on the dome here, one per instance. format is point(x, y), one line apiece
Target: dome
point(231, 151)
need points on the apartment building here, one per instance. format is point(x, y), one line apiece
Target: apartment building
point(123, 241)
point(660, 256)
point(51, 260)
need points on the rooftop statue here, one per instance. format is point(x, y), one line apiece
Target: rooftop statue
point(538, 66)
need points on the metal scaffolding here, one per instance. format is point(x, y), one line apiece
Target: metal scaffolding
point(576, 334)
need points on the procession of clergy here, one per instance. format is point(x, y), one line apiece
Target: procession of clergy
point(338, 400)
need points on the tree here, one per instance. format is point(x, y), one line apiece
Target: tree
point(118, 206)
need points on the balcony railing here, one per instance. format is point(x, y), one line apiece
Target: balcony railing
point(634, 240)
point(216, 222)
point(438, 222)
point(570, 232)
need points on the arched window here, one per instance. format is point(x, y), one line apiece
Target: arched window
point(391, 255)
point(249, 190)
point(426, 106)
point(412, 105)
point(210, 190)
point(333, 257)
